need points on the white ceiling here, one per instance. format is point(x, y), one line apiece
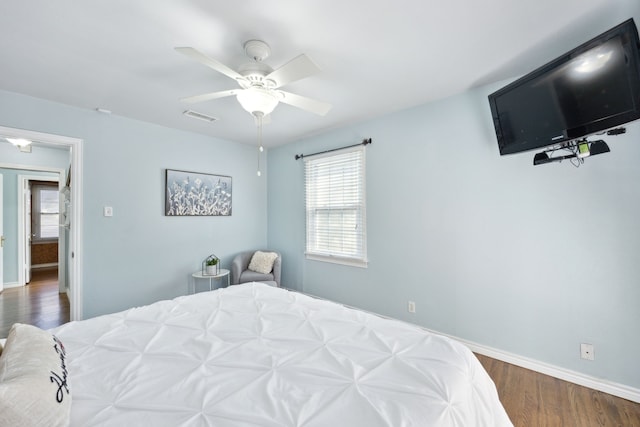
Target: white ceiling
point(376, 56)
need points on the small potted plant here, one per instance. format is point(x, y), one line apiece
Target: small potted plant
point(212, 266)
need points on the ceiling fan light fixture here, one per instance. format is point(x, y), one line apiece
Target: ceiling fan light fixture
point(258, 100)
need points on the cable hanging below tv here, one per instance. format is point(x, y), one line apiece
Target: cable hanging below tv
point(594, 88)
point(578, 150)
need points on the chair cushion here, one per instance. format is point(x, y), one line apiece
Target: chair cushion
point(33, 379)
point(252, 276)
point(262, 262)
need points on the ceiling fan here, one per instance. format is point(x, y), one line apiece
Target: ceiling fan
point(259, 91)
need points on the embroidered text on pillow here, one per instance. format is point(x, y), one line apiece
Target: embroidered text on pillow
point(55, 377)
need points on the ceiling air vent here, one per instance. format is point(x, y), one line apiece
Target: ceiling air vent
point(199, 116)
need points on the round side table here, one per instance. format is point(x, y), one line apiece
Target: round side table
point(198, 275)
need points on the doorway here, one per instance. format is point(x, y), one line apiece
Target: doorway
point(35, 249)
point(41, 234)
point(73, 257)
point(44, 235)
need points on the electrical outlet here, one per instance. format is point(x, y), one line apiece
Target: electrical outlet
point(586, 351)
point(107, 211)
point(411, 307)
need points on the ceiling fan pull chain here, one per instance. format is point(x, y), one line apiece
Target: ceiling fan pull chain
point(260, 148)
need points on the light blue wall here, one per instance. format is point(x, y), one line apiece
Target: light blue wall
point(528, 260)
point(10, 199)
point(139, 256)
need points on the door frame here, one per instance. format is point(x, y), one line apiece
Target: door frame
point(75, 146)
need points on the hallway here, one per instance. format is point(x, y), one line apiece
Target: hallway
point(39, 303)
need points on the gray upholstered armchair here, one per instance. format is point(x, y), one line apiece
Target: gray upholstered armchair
point(240, 272)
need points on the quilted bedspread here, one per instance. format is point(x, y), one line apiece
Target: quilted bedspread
point(255, 355)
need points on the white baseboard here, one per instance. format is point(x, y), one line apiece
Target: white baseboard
point(11, 285)
point(615, 389)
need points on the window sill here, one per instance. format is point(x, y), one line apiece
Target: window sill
point(353, 262)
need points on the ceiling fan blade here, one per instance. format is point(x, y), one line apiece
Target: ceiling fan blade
point(209, 62)
point(311, 105)
point(298, 68)
point(210, 96)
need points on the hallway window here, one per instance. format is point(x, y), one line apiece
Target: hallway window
point(45, 212)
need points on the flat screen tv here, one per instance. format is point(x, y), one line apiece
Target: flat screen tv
point(592, 88)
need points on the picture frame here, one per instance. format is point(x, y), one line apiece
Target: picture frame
point(197, 194)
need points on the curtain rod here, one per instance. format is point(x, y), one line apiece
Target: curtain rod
point(365, 141)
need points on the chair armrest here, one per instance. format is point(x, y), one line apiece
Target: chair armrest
point(236, 269)
point(277, 269)
point(240, 264)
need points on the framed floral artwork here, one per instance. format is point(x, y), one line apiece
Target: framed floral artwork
point(197, 194)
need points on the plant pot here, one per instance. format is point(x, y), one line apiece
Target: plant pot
point(211, 270)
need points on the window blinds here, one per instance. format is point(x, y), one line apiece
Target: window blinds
point(335, 204)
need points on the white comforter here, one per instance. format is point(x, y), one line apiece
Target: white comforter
point(254, 355)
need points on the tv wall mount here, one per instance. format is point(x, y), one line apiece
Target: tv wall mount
point(577, 150)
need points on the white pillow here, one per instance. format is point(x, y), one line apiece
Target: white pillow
point(262, 262)
point(34, 390)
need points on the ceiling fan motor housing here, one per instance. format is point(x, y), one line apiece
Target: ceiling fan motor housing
point(254, 73)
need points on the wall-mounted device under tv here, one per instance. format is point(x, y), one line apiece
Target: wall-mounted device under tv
point(591, 89)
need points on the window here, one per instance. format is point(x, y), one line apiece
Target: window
point(45, 212)
point(335, 199)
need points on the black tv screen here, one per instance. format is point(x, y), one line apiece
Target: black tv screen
point(590, 89)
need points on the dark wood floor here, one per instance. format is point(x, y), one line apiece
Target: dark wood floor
point(39, 303)
point(533, 399)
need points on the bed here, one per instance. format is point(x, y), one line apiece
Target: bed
point(256, 355)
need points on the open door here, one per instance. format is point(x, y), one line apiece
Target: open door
point(27, 232)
